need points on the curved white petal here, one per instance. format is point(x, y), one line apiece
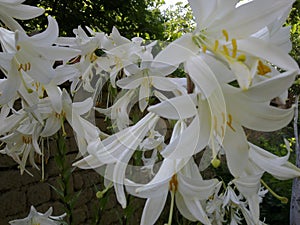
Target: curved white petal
point(54, 94)
point(196, 209)
point(183, 209)
point(269, 52)
point(52, 125)
point(236, 149)
point(130, 82)
point(119, 176)
point(202, 10)
point(195, 188)
point(153, 209)
point(163, 83)
point(11, 85)
point(258, 115)
point(279, 167)
point(178, 51)
point(47, 37)
point(240, 23)
point(270, 88)
point(188, 143)
point(23, 12)
point(180, 107)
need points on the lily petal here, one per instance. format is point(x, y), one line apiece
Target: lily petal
point(153, 209)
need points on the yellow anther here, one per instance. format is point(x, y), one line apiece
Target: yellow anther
point(223, 117)
point(225, 49)
point(57, 115)
point(241, 58)
point(93, 57)
point(24, 67)
point(223, 131)
point(18, 47)
point(229, 122)
point(204, 48)
point(216, 45)
point(215, 122)
point(225, 33)
point(262, 69)
point(234, 48)
point(26, 140)
point(173, 184)
point(20, 67)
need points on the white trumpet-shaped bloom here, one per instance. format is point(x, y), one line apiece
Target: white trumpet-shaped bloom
point(35, 217)
point(182, 179)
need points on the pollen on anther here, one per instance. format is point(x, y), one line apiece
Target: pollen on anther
point(20, 67)
point(241, 58)
point(225, 33)
point(226, 51)
point(173, 184)
point(204, 48)
point(234, 47)
point(216, 45)
point(262, 69)
point(229, 122)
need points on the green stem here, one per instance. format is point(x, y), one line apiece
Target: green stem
point(283, 200)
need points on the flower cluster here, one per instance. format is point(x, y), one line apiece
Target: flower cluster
point(233, 65)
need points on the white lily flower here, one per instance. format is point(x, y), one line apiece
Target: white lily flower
point(30, 56)
point(257, 114)
point(226, 31)
point(116, 151)
point(119, 111)
point(14, 9)
point(35, 218)
point(74, 113)
point(146, 78)
point(182, 179)
point(23, 143)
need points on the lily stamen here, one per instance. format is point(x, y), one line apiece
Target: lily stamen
point(234, 48)
point(216, 46)
point(173, 188)
point(20, 67)
point(204, 48)
point(229, 122)
point(225, 33)
point(241, 58)
point(26, 140)
point(262, 69)
point(283, 200)
point(226, 51)
point(173, 183)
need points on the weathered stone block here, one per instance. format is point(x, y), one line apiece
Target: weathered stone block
point(12, 202)
point(38, 194)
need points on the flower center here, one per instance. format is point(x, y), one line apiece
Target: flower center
point(173, 184)
point(26, 140)
point(262, 69)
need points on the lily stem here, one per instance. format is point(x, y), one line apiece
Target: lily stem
point(283, 200)
point(171, 207)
